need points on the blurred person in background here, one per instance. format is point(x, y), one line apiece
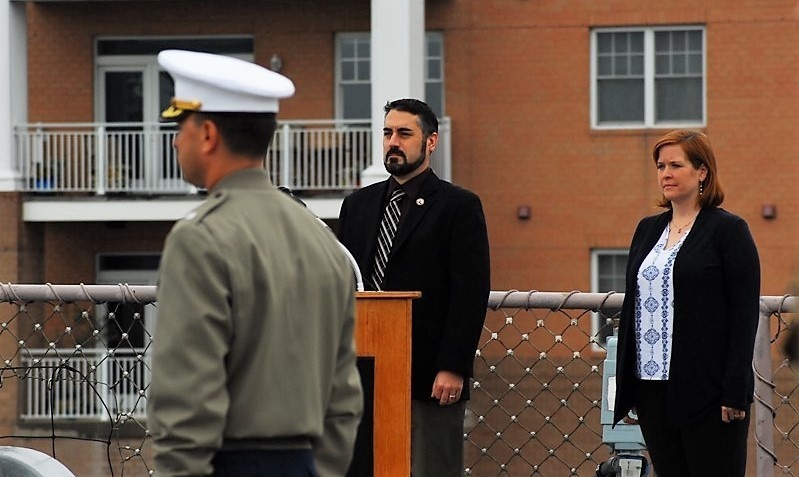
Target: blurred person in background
point(254, 367)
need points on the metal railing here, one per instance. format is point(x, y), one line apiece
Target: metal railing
point(94, 384)
point(138, 158)
point(77, 353)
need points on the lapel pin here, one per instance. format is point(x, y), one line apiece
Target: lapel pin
point(420, 201)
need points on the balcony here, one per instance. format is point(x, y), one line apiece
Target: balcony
point(311, 157)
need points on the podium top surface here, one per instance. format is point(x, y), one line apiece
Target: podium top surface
point(388, 294)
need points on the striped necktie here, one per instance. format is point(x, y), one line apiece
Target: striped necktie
point(385, 236)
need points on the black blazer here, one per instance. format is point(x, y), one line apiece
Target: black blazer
point(441, 249)
point(716, 309)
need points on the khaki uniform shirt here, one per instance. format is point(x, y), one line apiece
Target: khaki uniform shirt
point(253, 346)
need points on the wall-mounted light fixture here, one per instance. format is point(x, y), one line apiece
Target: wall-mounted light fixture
point(276, 63)
point(768, 211)
point(523, 212)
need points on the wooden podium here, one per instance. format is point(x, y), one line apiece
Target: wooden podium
point(383, 336)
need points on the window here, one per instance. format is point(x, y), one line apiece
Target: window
point(608, 268)
point(648, 77)
point(434, 72)
point(132, 90)
point(133, 319)
point(131, 85)
point(353, 76)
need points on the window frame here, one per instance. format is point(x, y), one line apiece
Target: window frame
point(649, 79)
point(595, 254)
point(339, 82)
point(146, 63)
point(430, 35)
point(435, 36)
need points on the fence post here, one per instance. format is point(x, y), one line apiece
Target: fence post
point(764, 411)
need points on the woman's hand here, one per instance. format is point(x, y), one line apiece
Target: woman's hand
point(631, 417)
point(729, 414)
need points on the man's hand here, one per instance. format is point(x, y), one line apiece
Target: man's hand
point(447, 387)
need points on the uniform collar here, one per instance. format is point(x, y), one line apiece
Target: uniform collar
point(249, 178)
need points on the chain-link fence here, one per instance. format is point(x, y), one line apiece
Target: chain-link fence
point(537, 396)
point(78, 356)
point(75, 360)
point(535, 406)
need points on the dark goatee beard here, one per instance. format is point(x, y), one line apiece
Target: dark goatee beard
point(401, 168)
point(404, 168)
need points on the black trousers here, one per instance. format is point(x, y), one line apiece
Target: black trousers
point(264, 463)
point(706, 447)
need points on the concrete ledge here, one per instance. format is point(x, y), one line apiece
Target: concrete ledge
point(132, 210)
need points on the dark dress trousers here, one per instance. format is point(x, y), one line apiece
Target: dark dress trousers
point(716, 309)
point(440, 249)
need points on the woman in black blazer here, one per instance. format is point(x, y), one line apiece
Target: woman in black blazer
point(688, 322)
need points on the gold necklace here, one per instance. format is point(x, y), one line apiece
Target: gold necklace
point(680, 229)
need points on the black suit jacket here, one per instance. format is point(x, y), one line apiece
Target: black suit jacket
point(716, 308)
point(440, 249)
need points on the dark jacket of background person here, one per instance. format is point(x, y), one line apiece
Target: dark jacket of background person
point(716, 310)
point(441, 249)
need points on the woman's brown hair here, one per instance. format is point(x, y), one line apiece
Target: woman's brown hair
point(696, 146)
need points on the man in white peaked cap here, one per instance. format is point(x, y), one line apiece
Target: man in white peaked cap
point(253, 357)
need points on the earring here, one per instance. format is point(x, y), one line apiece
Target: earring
point(701, 187)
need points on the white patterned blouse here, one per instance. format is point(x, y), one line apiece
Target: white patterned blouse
point(654, 310)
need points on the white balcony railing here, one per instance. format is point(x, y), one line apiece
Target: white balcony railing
point(99, 384)
point(138, 158)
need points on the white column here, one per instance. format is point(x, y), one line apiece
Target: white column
point(397, 67)
point(13, 87)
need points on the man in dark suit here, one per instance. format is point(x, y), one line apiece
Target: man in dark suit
point(415, 231)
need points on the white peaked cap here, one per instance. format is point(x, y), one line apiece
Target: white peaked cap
point(222, 84)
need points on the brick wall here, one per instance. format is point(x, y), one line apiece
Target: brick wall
point(517, 77)
point(71, 248)
point(517, 90)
